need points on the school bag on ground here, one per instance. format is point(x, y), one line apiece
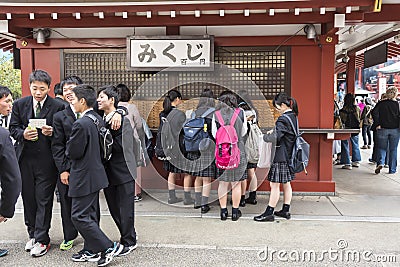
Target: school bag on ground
point(105, 138)
point(301, 151)
point(227, 153)
point(195, 131)
point(165, 141)
point(252, 143)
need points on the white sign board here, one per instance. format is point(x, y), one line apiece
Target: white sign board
point(183, 53)
point(3, 26)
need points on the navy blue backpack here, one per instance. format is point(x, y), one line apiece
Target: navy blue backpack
point(195, 130)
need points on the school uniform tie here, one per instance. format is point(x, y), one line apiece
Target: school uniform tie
point(38, 110)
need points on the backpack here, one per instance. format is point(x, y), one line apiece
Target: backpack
point(195, 131)
point(301, 151)
point(105, 138)
point(227, 153)
point(252, 143)
point(352, 120)
point(165, 142)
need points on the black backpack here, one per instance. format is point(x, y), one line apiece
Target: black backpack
point(352, 120)
point(195, 131)
point(105, 138)
point(165, 142)
point(301, 151)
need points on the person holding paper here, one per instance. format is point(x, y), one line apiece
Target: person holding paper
point(33, 148)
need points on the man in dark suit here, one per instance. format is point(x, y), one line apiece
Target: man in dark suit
point(59, 95)
point(87, 178)
point(38, 171)
point(62, 124)
point(10, 179)
point(6, 101)
point(121, 171)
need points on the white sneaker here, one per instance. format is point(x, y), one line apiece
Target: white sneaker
point(29, 245)
point(39, 249)
point(356, 164)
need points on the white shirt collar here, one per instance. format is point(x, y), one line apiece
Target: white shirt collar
point(83, 113)
point(41, 102)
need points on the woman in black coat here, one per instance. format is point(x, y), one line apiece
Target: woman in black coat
point(280, 173)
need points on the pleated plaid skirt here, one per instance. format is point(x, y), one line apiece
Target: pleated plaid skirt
point(169, 167)
point(202, 164)
point(280, 173)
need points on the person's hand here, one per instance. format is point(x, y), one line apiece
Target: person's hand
point(64, 176)
point(30, 134)
point(2, 219)
point(47, 130)
point(115, 121)
point(378, 127)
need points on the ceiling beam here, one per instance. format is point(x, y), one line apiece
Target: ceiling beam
point(182, 20)
point(140, 7)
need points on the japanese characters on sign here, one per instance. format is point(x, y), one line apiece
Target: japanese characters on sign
point(175, 52)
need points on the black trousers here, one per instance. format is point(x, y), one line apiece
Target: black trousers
point(39, 176)
point(69, 230)
point(120, 201)
point(84, 213)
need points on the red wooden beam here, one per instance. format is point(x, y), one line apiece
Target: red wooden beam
point(389, 13)
point(27, 8)
point(182, 20)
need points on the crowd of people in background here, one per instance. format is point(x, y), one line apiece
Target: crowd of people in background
point(382, 119)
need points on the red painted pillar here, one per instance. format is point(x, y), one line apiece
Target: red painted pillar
point(351, 73)
point(326, 111)
point(27, 62)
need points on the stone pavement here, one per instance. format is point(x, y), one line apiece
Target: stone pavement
point(358, 226)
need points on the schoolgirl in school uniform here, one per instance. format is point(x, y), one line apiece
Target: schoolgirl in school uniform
point(171, 101)
point(227, 106)
point(202, 162)
point(280, 172)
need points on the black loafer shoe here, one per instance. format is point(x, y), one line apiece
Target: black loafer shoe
point(174, 200)
point(236, 216)
point(252, 201)
point(282, 214)
point(224, 216)
point(264, 218)
point(205, 209)
point(242, 203)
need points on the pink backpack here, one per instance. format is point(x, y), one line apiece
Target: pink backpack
point(227, 153)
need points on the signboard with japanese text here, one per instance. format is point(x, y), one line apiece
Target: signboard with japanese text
point(175, 53)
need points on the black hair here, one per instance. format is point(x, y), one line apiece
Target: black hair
point(70, 80)
point(110, 91)
point(86, 92)
point(124, 92)
point(206, 99)
point(40, 76)
point(349, 102)
point(4, 91)
point(227, 98)
point(283, 98)
point(57, 89)
point(169, 98)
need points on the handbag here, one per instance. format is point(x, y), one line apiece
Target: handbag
point(337, 121)
point(265, 150)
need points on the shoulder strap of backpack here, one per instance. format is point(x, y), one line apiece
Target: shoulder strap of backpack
point(296, 130)
point(219, 117)
point(234, 116)
point(207, 112)
point(94, 119)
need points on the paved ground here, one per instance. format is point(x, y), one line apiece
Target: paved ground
point(356, 227)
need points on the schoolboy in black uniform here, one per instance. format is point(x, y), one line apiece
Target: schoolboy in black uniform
point(87, 178)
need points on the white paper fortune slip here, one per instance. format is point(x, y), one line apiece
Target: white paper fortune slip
point(37, 123)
